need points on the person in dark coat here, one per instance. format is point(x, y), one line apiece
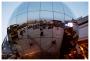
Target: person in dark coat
point(67, 43)
point(41, 31)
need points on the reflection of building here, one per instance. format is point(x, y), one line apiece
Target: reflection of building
point(83, 28)
point(83, 35)
point(57, 27)
point(25, 41)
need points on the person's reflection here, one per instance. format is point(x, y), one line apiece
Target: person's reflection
point(41, 31)
point(68, 42)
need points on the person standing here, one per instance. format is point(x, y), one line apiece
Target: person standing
point(41, 31)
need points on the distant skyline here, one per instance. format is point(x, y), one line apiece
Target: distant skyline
point(78, 9)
